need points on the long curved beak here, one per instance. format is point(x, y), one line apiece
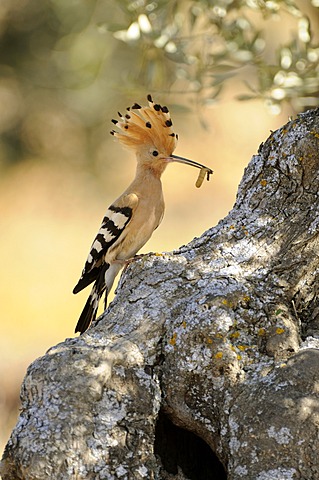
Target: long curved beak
point(186, 161)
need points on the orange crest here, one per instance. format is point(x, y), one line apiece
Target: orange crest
point(150, 125)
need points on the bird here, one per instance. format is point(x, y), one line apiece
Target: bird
point(132, 218)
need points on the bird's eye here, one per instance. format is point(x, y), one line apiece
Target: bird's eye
point(155, 153)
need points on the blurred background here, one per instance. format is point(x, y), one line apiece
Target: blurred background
point(229, 71)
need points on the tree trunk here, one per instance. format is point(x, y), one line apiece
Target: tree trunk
point(206, 365)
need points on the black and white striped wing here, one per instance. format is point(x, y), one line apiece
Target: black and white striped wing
point(113, 225)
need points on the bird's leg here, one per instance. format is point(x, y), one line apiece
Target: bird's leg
point(128, 261)
point(120, 262)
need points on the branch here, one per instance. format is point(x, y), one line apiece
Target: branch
point(217, 339)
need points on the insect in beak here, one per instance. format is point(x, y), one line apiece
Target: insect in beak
point(203, 169)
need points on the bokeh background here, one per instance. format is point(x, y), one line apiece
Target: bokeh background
point(66, 68)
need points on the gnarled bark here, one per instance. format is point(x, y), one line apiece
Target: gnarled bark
point(218, 339)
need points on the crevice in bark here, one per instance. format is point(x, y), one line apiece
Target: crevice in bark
point(181, 449)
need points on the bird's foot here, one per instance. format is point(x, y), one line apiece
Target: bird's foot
point(128, 262)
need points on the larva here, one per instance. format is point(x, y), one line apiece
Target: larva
point(201, 177)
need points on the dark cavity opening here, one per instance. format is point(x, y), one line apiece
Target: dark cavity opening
point(178, 447)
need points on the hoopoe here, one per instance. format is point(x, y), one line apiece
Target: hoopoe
point(130, 221)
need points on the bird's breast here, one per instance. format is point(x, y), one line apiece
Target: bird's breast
point(145, 220)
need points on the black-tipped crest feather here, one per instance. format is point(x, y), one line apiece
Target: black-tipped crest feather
point(147, 125)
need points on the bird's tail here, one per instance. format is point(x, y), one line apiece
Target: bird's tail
point(89, 311)
point(102, 284)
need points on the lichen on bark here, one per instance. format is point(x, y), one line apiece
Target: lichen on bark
point(219, 338)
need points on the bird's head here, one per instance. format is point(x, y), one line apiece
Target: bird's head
point(149, 132)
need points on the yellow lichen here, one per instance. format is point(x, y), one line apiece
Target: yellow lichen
point(219, 355)
point(263, 182)
point(173, 339)
point(227, 303)
point(261, 332)
point(218, 335)
point(184, 324)
point(235, 335)
point(279, 330)
point(314, 133)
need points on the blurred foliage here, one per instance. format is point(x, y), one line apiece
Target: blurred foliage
point(64, 64)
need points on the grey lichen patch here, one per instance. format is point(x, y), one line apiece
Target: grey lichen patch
point(281, 436)
point(279, 474)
